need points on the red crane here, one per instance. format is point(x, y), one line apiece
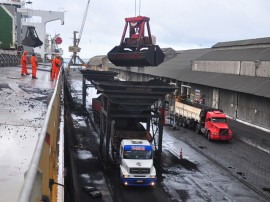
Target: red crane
point(137, 49)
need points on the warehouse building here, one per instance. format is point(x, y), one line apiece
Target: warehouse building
point(233, 76)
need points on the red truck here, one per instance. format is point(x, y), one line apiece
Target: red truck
point(211, 122)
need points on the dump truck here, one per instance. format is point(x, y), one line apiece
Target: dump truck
point(132, 152)
point(211, 122)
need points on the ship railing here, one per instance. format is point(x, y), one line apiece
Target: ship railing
point(45, 171)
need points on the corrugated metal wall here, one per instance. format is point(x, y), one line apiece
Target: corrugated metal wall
point(246, 107)
point(253, 109)
point(228, 102)
point(205, 91)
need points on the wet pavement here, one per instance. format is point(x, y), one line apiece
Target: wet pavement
point(86, 153)
point(194, 178)
point(256, 137)
point(83, 145)
point(198, 178)
point(23, 104)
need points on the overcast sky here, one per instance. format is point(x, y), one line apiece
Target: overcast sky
point(179, 24)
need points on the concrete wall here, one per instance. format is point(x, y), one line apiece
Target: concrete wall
point(264, 69)
point(244, 68)
point(227, 67)
point(247, 68)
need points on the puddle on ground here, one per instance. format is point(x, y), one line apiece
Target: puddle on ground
point(183, 195)
point(84, 154)
point(188, 164)
point(266, 189)
point(240, 173)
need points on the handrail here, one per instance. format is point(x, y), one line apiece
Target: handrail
point(27, 189)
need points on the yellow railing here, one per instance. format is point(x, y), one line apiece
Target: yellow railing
point(46, 168)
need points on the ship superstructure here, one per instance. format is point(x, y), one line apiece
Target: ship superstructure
point(10, 20)
point(15, 17)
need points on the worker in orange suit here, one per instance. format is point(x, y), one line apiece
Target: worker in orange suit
point(24, 64)
point(34, 66)
point(56, 64)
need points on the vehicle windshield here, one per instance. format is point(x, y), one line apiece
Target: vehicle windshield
point(219, 120)
point(137, 154)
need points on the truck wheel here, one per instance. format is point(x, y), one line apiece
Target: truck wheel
point(198, 129)
point(208, 136)
point(181, 123)
point(184, 123)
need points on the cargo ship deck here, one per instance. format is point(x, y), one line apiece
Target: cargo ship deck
point(23, 106)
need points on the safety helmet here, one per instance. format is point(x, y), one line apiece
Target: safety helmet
point(25, 52)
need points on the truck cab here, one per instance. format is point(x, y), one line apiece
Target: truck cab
point(216, 126)
point(136, 163)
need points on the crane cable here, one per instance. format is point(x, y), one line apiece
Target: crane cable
point(83, 22)
point(136, 7)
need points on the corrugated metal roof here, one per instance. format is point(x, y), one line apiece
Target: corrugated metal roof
point(181, 63)
point(97, 60)
point(246, 84)
point(248, 54)
point(179, 68)
point(247, 42)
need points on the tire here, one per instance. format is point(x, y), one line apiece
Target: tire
point(198, 129)
point(181, 123)
point(208, 136)
point(184, 124)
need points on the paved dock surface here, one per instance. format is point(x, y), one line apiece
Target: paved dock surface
point(88, 171)
point(23, 106)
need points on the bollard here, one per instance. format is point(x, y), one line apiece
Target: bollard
point(181, 154)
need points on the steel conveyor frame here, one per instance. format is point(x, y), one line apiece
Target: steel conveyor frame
point(143, 101)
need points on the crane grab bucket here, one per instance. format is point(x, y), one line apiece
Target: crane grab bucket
point(31, 38)
point(152, 56)
point(137, 49)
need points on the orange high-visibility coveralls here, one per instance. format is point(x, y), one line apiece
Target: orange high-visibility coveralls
point(24, 63)
point(34, 66)
point(56, 64)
